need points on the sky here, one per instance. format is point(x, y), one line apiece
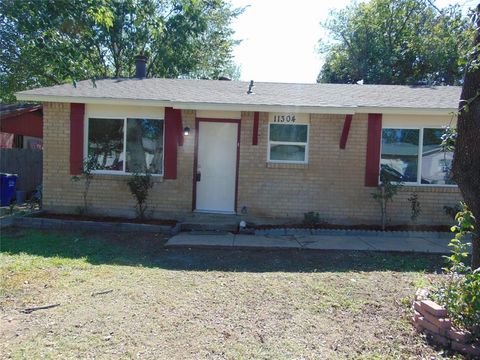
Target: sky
point(279, 37)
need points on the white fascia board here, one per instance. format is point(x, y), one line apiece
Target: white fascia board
point(91, 100)
point(406, 111)
point(266, 108)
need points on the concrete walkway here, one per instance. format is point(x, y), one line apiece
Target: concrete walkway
point(428, 243)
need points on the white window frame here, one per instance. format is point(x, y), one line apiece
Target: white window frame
point(120, 172)
point(420, 155)
point(288, 143)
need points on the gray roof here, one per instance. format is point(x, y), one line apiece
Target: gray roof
point(213, 92)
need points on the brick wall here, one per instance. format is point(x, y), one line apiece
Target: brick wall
point(109, 194)
point(332, 183)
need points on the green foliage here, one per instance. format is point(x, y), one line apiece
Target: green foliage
point(311, 218)
point(88, 166)
point(460, 293)
point(384, 193)
point(449, 138)
point(139, 185)
point(395, 42)
point(50, 42)
point(415, 208)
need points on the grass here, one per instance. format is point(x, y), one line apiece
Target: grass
point(204, 304)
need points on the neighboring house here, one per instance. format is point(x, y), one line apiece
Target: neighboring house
point(21, 126)
point(21, 133)
point(274, 149)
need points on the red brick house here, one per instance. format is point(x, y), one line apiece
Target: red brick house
point(268, 149)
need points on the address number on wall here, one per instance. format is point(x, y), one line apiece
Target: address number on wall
point(284, 118)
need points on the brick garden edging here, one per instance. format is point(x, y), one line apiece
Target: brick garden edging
point(431, 319)
point(57, 224)
point(286, 231)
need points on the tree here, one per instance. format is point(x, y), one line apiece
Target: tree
point(394, 42)
point(49, 42)
point(466, 156)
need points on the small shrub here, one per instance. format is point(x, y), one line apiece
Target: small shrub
point(460, 292)
point(383, 194)
point(311, 218)
point(88, 166)
point(139, 185)
point(415, 208)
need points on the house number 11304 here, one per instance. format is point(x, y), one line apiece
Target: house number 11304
point(284, 118)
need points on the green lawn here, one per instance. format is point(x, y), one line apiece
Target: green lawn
point(204, 304)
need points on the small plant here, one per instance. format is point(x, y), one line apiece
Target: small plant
point(88, 166)
point(139, 185)
point(385, 193)
point(460, 292)
point(415, 208)
point(311, 218)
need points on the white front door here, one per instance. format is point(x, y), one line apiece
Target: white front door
point(216, 166)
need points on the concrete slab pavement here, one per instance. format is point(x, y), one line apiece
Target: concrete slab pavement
point(427, 244)
point(407, 244)
point(326, 242)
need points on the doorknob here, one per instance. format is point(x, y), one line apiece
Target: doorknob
point(199, 176)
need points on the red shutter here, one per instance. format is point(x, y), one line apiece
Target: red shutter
point(77, 113)
point(346, 130)
point(173, 135)
point(255, 128)
point(374, 138)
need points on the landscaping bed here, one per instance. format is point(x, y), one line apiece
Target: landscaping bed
point(361, 227)
point(95, 223)
point(105, 219)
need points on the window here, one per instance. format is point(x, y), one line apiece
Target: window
point(288, 143)
point(415, 156)
point(400, 154)
point(436, 163)
point(126, 145)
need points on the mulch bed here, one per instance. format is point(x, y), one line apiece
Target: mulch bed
point(106, 219)
point(326, 226)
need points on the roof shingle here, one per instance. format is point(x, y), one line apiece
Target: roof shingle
point(265, 93)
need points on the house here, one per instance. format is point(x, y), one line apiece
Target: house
point(266, 149)
point(21, 143)
point(21, 126)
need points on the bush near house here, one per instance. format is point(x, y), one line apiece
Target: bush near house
point(460, 292)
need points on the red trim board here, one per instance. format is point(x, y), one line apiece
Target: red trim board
point(374, 138)
point(346, 129)
point(256, 117)
point(77, 114)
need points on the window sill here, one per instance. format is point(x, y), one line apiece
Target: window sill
point(274, 165)
point(122, 177)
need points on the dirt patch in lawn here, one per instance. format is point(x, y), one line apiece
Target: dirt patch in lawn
point(165, 222)
point(124, 296)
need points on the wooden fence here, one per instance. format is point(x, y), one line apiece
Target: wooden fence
point(26, 163)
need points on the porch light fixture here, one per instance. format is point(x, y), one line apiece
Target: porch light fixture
point(186, 131)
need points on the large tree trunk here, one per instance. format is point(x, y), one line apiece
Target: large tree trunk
point(466, 158)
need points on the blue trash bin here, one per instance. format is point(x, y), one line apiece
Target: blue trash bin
point(8, 184)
